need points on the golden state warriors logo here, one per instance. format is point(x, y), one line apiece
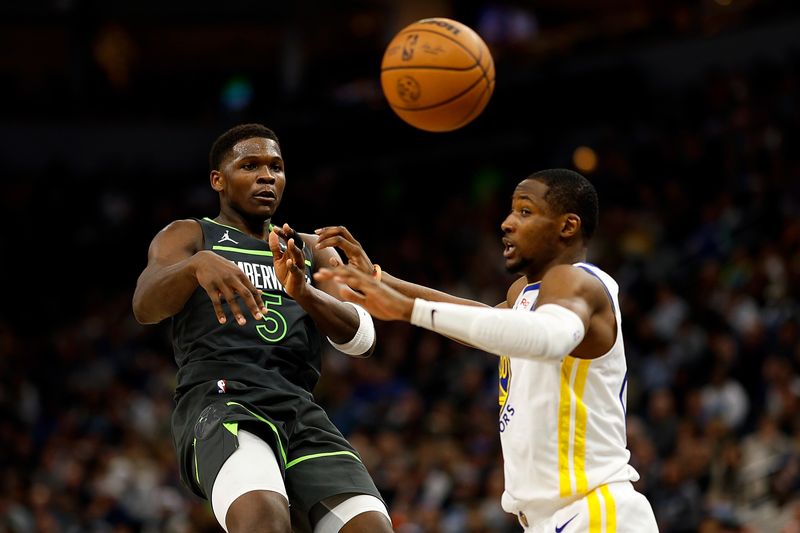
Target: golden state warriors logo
point(505, 380)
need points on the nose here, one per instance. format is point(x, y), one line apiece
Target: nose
point(507, 225)
point(265, 176)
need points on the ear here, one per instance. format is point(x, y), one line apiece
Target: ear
point(217, 180)
point(570, 225)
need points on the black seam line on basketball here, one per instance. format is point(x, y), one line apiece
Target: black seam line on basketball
point(447, 101)
point(467, 50)
point(477, 59)
point(431, 67)
point(467, 118)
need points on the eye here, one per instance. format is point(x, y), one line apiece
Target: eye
point(525, 211)
point(277, 167)
point(249, 166)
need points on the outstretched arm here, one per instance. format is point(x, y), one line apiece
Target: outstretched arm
point(348, 327)
point(177, 265)
point(568, 300)
point(340, 237)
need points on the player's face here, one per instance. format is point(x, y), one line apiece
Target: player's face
point(253, 177)
point(530, 230)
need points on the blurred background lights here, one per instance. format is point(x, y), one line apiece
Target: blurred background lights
point(237, 94)
point(584, 159)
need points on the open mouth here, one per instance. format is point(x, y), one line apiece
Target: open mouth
point(508, 248)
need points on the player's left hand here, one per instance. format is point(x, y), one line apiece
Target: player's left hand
point(340, 237)
point(380, 300)
point(289, 262)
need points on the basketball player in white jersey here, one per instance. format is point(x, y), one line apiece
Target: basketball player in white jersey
point(562, 359)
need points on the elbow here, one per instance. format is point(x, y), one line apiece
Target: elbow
point(142, 314)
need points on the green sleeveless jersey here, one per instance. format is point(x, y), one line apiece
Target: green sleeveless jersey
point(281, 350)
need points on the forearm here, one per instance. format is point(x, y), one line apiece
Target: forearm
point(413, 290)
point(162, 291)
point(551, 331)
point(336, 320)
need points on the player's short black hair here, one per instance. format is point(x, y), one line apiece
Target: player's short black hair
point(569, 192)
point(225, 142)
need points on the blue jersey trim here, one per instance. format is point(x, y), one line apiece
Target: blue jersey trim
point(593, 273)
point(532, 286)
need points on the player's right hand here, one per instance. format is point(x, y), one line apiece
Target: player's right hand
point(340, 237)
point(223, 280)
point(380, 300)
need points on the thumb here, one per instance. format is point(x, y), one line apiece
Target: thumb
point(274, 245)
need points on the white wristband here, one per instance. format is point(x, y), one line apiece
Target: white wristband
point(364, 337)
point(551, 331)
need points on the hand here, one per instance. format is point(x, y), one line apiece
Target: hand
point(379, 299)
point(340, 237)
point(290, 265)
point(222, 279)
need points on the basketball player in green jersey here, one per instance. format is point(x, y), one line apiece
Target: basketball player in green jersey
point(248, 434)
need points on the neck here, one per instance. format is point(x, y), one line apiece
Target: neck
point(568, 257)
point(253, 226)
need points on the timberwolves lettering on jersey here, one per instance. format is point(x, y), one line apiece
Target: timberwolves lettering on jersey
point(282, 347)
point(562, 422)
point(262, 276)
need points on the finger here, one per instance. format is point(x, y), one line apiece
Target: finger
point(252, 299)
point(274, 244)
point(330, 231)
point(295, 253)
point(338, 241)
point(335, 261)
point(349, 295)
point(214, 295)
point(351, 278)
point(323, 274)
point(348, 236)
point(292, 234)
point(230, 297)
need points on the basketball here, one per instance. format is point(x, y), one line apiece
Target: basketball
point(437, 74)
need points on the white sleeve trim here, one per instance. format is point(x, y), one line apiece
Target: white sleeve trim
point(551, 331)
point(365, 335)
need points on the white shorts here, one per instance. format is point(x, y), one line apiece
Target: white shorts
point(612, 508)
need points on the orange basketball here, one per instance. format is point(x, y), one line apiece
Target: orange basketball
point(437, 74)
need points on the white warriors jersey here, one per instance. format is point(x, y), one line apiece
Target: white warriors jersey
point(562, 422)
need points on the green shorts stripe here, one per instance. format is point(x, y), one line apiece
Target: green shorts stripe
point(318, 455)
point(267, 422)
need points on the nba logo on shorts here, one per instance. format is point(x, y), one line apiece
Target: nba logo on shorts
point(222, 386)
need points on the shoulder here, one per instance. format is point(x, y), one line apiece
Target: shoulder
point(321, 257)
point(570, 280)
point(567, 274)
point(186, 234)
point(186, 225)
point(513, 291)
point(309, 239)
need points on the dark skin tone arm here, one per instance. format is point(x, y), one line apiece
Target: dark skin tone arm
point(340, 237)
point(177, 265)
point(335, 319)
point(565, 285)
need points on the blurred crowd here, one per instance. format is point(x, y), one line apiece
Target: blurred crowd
point(700, 225)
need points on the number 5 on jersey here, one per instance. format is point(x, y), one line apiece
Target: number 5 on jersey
point(274, 327)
